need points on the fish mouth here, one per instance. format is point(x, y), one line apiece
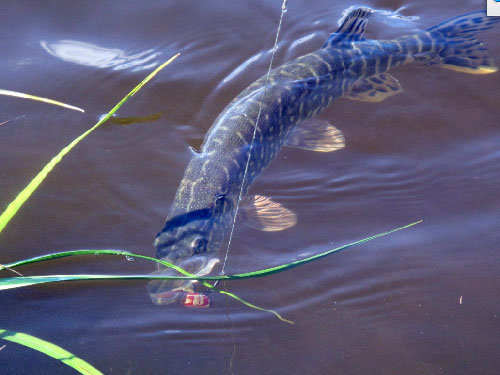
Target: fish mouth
point(170, 296)
point(166, 292)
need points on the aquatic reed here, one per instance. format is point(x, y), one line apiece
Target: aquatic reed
point(49, 349)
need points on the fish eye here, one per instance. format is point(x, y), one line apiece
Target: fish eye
point(199, 245)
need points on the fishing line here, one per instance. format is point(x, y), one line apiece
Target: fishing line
point(231, 334)
point(283, 11)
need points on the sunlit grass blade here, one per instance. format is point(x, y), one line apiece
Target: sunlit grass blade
point(10, 269)
point(37, 98)
point(283, 267)
point(49, 349)
point(17, 282)
point(255, 307)
point(23, 196)
point(7, 283)
point(26, 281)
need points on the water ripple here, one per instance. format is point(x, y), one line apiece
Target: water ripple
point(89, 54)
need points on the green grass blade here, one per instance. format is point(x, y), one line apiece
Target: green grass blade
point(51, 350)
point(17, 282)
point(10, 269)
point(37, 98)
point(283, 267)
point(23, 196)
point(255, 307)
point(8, 283)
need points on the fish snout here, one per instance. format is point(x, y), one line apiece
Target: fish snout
point(167, 291)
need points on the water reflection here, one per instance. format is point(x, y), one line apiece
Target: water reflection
point(241, 67)
point(302, 40)
point(391, 304)
point(93, 55)
point(396, 14)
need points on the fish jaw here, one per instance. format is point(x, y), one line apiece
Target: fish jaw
point(166, 292)
point(168, 297)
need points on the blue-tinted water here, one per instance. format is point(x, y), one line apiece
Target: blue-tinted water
point(421, 301)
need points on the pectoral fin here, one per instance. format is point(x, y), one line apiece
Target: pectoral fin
point(262, 213)
point(375, 88)
point(316, 135)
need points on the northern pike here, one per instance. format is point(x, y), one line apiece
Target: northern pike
point(276, 110)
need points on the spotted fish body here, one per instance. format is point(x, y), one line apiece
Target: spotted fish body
point(261, 118)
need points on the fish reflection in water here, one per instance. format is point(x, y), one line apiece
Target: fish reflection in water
point(277, 110)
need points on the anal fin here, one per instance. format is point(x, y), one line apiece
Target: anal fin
point(262, 213)
point(375, 89)
point(316, 135)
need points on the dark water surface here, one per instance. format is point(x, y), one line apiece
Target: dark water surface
point(422, 301)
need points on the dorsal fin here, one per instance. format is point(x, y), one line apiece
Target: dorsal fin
point(352, 27)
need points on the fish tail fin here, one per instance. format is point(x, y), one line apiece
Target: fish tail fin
point(457, 47)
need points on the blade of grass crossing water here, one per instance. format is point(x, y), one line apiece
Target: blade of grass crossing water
point(239, 299)
point(39, 99)
point(51, 350)
point(7, 283)
point(23, 196)
point(17, 282)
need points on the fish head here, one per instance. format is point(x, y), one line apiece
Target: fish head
point(192, 242)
